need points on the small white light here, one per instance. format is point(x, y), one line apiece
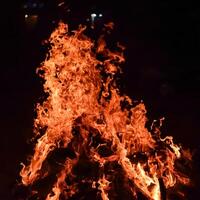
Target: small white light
point(26, 16)
point(100, 15)
point(93, 15)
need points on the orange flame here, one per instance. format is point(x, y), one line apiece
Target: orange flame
point(83, 97)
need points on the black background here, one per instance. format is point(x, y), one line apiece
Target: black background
point(162, 42)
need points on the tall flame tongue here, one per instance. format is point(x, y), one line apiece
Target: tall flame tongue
point(85, 113)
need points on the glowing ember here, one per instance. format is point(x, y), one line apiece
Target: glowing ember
point(85, 115)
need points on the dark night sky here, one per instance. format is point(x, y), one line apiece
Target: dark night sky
point(162, 42)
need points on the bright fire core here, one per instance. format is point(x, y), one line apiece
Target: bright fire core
point(86, 116)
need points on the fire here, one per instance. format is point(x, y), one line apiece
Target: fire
point(85, 114)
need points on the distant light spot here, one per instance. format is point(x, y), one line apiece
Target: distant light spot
point(93, 15)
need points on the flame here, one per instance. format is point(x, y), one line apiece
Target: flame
point(83, 104)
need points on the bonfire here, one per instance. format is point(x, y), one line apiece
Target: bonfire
point(91, 138)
